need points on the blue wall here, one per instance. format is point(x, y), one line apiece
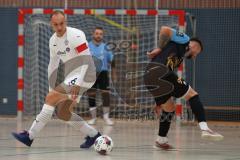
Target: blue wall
point(8, 60)
point(218, 67)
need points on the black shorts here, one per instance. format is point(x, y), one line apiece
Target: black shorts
point(102, 84)
point(179, 90)
point(102, 81)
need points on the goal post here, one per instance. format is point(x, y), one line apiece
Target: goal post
point(134, 26)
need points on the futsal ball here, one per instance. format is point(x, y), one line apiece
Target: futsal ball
point(103, 145)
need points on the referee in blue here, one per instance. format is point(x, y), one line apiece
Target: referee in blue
point(101, 54)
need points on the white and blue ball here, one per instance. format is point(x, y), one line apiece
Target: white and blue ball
point(103, 145)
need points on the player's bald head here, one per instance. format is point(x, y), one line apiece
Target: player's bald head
point(58, 22)
point(57, 13)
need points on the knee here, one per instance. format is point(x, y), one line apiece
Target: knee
point(64, 109)
point(169, 106)
point(53, 98)
point(91, 92)
point(191, 93)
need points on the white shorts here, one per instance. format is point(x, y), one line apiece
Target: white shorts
point(80, 77)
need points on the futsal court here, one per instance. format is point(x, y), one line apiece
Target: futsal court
point(130, 30)
point(132, 140)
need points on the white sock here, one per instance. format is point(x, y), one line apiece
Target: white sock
point(106, 111)
point(41, 120)
point(162, 139)
point(79, 124)
point(203, 125)
point(93, 111)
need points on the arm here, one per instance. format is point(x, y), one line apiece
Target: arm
point(164, 37)
point(168, 34)
point(113, 71)
point(52, 69)
point(153, 53)
point(80, 45)
point(111, 61)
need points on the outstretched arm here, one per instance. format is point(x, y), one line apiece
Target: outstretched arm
point(164, 37)
point(168, 34)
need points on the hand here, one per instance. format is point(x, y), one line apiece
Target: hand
point(153, 53)
point(157, 110)
point(114, 75)
point(75, 91)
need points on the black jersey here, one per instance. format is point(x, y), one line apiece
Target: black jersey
point(172, 54)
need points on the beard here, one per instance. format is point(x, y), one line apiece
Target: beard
point(189, 56)
point(97, 39)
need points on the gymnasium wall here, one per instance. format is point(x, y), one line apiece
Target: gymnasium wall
point(8, 61)
point(217, 68)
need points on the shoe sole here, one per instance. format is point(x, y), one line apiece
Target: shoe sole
point(213, 138)
point(15, 135)
point(109, 124)
point(166, 147)
point(91, 123)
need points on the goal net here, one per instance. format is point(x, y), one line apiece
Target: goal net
point(129, 36)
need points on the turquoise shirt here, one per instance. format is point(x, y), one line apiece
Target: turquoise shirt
point(100, 52)
point(179, 37)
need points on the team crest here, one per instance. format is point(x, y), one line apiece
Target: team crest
point(67, 49)
point(66, 42)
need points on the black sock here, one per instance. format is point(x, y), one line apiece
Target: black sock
point(165, 121)
point(197, 108)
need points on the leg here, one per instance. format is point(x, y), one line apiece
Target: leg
point(106, 107)
point(197, 107)
point(42, 118)
point(64, 109)
point(199, 112)
point(79, 124)
point(165, 101)
point(51, 100)
point(64, 112)
point(92, 105)
point(167, 114)
point(104, 87)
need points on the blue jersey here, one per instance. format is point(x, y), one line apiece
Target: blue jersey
point(179, 37)
point(100, 53)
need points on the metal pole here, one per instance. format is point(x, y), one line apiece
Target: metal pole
point(156, 26)
point(65, 4)
point(193, 22)
point(65, 7)
point(194, 60)
point(189, 115)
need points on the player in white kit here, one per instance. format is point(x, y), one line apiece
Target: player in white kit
point(70, 46)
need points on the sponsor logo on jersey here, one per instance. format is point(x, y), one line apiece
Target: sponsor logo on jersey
point(61, 53)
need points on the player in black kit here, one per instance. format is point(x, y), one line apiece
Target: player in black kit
point(164, 84)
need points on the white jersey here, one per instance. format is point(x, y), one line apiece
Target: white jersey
point(71, 45)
